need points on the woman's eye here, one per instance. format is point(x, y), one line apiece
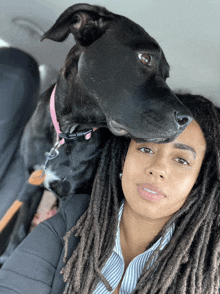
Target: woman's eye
point(146, 150)
point(182, 161)
point(144, 58)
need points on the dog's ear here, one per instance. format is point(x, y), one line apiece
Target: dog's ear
point(86, 22)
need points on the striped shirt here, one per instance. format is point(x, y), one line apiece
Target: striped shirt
point(114, 268)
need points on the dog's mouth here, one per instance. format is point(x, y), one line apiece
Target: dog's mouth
point(116, 128)
point(119, 130)
point(156, 140)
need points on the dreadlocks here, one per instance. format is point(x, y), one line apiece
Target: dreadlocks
point(190, 262)
point(97, 227)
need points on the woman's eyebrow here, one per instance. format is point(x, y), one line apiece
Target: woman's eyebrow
point(185, 147)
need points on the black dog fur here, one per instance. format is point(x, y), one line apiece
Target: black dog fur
point(113, 78)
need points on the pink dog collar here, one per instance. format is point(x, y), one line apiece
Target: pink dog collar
point(54, 116)
point(55, 122)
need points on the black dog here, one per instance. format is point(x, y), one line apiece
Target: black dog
point(114, 77)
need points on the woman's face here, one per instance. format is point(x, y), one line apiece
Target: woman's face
point(157, 178)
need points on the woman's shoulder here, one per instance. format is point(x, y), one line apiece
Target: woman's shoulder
point(76, 202)
point(73, 207)
point(35, 262)
point(70, 211)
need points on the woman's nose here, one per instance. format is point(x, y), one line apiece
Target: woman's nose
point(156, 174)
point(157, 169)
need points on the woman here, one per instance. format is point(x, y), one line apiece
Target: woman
point(154, 229)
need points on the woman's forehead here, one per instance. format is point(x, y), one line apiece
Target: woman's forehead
point(191, 139)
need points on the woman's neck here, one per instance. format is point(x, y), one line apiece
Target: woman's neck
point(137, 232)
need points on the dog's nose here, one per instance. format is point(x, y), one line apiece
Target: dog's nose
point(182, 119)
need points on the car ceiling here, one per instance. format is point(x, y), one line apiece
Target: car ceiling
point(188, 32)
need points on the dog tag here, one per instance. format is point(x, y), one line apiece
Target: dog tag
point(88, 136)
point(37, 177)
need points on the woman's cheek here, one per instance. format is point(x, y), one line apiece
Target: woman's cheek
point(132, 168)
point(186, 186)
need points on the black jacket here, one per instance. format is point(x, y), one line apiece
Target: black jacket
point(34, 267)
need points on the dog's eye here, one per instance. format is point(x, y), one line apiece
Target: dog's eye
point(144, 58)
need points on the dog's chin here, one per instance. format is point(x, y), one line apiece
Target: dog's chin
point(157, 140)
point(116, 128)
point(119, 130)
point(141, 140)
point(154, 140)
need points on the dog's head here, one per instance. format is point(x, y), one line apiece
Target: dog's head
point(114, 76)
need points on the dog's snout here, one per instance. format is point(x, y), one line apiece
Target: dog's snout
point(182, 119)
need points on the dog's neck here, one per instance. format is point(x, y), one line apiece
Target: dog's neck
point(61, 136)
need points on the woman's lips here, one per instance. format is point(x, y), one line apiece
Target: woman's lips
point(150, 192)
